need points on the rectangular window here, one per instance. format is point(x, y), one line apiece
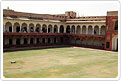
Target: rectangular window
point(107, 44)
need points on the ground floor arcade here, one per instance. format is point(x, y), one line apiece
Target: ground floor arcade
point(49, 40)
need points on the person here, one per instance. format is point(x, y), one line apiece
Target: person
point(94, 32)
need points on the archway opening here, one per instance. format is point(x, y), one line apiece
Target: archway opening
point(10, 41)
point(78, 29)
point(38, 28)
point(44, 28)
point(96, 30)
point(16, 27)
point(90, 29)
point(68, 29)
point(17, 41)
point(50, 29)
point(84, 29)
point(83, 42)
point(8, 27)
point(43, 40)
point(61, 39)
point(38, 41)
point(102, 31)
point(90, 42)
point(31, 41)
point(55, 40)
point(49, 41)
point(61, 29)
point(55, 29)
point(24, 27)
point(73, 29)
point(25, 41)
point(95, 43)
point(31, 27)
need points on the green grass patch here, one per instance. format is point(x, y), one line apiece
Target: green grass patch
point(67, 62)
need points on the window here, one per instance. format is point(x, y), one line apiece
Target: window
point(116, 25)
point(107, 44)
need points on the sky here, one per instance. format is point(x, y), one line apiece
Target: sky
point(83, 8)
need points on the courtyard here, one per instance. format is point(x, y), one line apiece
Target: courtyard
point(64, 62)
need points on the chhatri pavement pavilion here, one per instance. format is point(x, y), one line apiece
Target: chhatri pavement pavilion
point(22, 29)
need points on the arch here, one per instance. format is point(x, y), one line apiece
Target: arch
point(102, 31)
point(49, 41)
point(43, 40)
point(83, 29)
point(95, 42)
point(24, 27)
point(10, 41)
point(37, 41)
point(73, 29)
point(96, 30)
point(44, 28)
point(55, 29)
point(18, 41)
point(90, 40)
point(16, 27)
point(31, 27)
point(25, 41)
point(78, 29)
point(77, 41)
point(61, 39)
point(61, 29)
point(83, 41)
point(68, 29)
point(116, 25)
point(55, 40)
point(31, 41)
point(38, 27)
point(8, 27)
point(115, 43)
point(90, 29)
point(50, 28)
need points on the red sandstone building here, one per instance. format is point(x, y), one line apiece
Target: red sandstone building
point(36, 30)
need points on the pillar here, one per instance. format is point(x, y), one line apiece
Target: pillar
point(99, 29)
point(92, 30)
point(47, 29)
point(75, 29)
point(86, 29)
point(58, 29)
point(81, 30)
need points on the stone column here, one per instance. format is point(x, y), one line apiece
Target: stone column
point(75, 29)
point(21, 40)
point(99, 29)
point(28, 30)
point(58, 29)
point(28, 41)
point(20, 27)
point(47, 29)
point(86, 29)
point(81, 30)
point(92, 30)
point(40, 30)
point(64, 29)
point(12, 27)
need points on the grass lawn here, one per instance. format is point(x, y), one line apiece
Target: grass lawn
point(66, 62)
